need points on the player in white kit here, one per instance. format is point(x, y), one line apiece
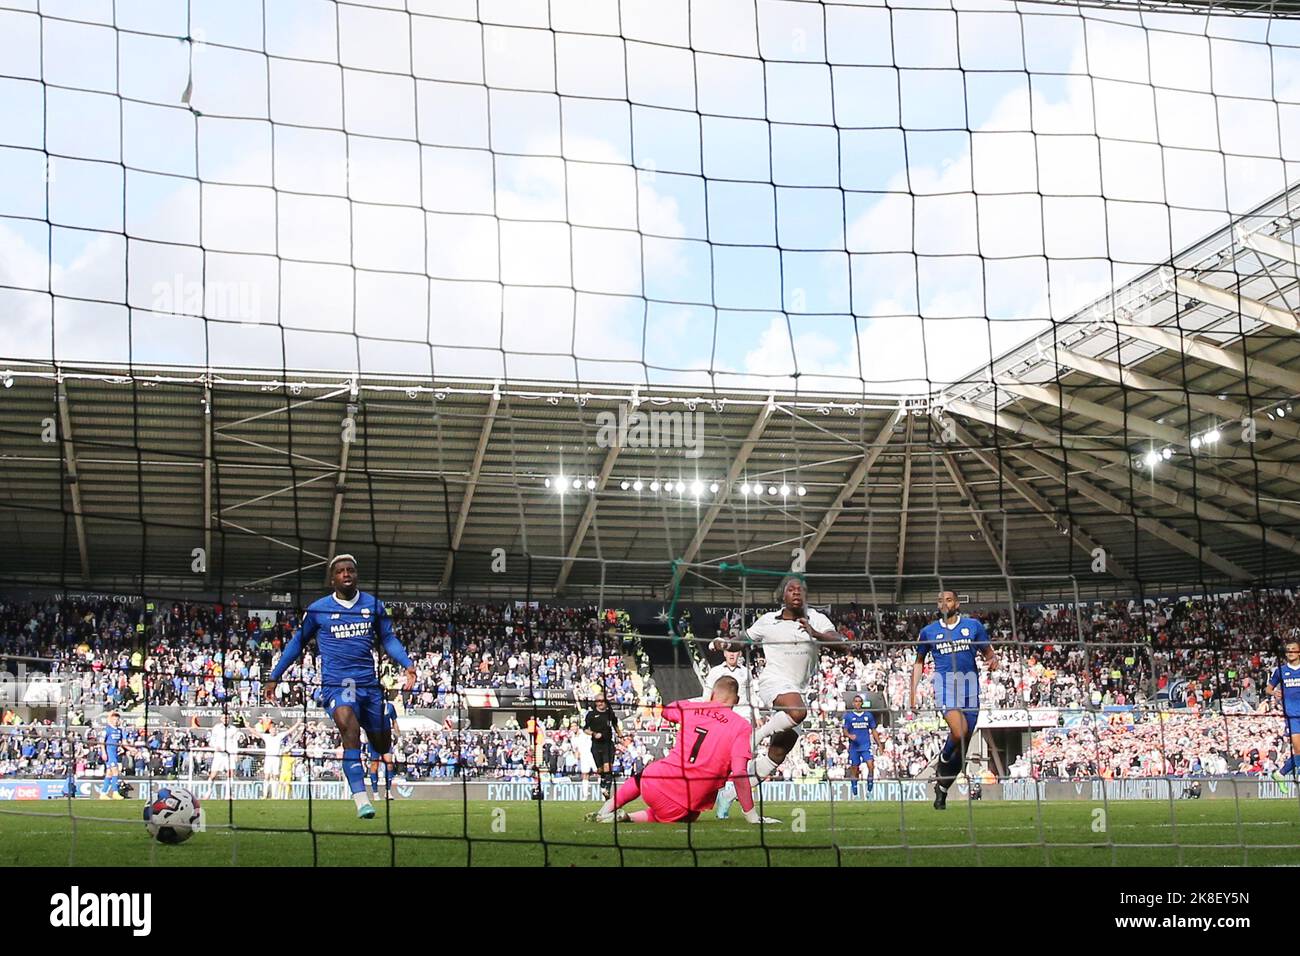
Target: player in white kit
point(586, 763)
point(736, 667)
point(275, 742)
point(790, 639)
point(223, 741)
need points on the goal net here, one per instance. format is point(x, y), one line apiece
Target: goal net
point(580, 326)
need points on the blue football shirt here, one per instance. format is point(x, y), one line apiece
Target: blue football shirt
point(346, 638)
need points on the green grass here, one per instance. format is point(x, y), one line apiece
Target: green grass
point(431, 833)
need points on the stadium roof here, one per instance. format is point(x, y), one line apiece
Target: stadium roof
point(113, 476)
point(1273, 9)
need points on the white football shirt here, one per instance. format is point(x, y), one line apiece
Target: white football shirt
point(217, 739)
point(790, 651)
point(275, 743)
point(740, 673)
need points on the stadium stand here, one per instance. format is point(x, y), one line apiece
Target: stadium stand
point(1165, 688)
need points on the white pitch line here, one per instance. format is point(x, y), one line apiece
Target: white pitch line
point(982, 829)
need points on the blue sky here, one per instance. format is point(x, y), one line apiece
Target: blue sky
point(855, 191)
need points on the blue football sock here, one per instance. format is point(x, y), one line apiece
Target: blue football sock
point(1288, 768)
point(949, 767)
point(353, 771)
point(871, 782)
point(853, 786)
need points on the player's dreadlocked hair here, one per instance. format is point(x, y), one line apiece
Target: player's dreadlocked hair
point(785, 582)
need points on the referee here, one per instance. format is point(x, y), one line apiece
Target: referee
point(603, 727)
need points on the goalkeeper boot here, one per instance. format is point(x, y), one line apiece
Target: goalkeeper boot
point(940, 797)
point(726, 797)
point(366, 811)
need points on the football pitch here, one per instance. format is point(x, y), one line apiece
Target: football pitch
point(433, 833)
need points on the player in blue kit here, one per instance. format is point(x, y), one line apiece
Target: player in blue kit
point(347, 626)
point(1285, 686)
point(373, 758)
point(860, 728)
point(113, 747)
point(952, 642)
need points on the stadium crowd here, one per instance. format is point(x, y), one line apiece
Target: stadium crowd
point(113, 655)
point(1194, 656)
point(49, 750)
point(1174, 743)
point(1118, 666)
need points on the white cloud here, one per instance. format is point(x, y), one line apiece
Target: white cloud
point(405, 207)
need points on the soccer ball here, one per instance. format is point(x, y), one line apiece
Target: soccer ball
point(173, 816)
